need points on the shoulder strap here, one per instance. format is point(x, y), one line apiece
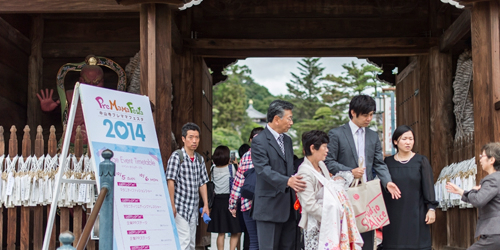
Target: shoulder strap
point(211, 174)
point(181, 155)
point(199, 157)
point(230, 166)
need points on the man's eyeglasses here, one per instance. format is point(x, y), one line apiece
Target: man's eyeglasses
point(482, 155)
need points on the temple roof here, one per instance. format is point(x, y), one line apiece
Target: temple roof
point(253, 113)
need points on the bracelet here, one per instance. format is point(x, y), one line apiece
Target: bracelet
point(432, 209)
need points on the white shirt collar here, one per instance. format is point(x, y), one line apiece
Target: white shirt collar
point(354, 127)
point(275, 134)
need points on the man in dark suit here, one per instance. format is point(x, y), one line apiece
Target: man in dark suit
point(272, 157)
point(355, 148)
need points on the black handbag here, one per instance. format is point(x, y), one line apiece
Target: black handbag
point(210, 189)
point(248, 188)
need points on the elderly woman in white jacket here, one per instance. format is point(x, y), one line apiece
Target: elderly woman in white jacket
point(324, 194)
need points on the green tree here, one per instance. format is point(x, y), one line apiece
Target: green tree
point(259, 94)
point(305, 88)
point(356, 80)
point(229, 105)
point(226, 136)
point(324, 119)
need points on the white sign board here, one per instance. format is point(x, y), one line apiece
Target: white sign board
point(123, 123)
point(388, 109)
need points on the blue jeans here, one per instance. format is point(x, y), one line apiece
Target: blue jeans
point(252, 230)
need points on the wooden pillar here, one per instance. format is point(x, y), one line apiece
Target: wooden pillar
point(441, 104)
point(183, 91)
point(12, 243)
point(35, 74)
point(486, 79)
point(156, 69)
point(38, 225)
point(52, 151)
point(26, 226)
point(422, 105)
point(2, 208)
point(441, 124)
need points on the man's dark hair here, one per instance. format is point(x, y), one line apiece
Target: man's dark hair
point(277, 108)
point(399, 132)
point(243, 149)
point(255, 132)
point(492, 149)
point(189, 126)
point(221, 156)
point(313, 137)
point(362, 104)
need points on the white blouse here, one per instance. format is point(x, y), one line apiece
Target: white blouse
point(221, 179)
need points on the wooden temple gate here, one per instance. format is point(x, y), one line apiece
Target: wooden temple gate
point(183, 53)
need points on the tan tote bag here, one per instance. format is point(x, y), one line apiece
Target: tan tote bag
point(368, 204)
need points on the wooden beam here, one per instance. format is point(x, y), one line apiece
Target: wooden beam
point(144, 23)
point(460, 27)
point(441, 124)
point(486, 82)
point(87, 16)
point(63, 6)
point(132, 2)
point(177, 42)
point(212, 25)
point(332, 43)
point(163, 80)
point(156, 69)
point(224, 53)
point(81, 50)
point(151, 50)
point(469, 2)
point(14, 36)
point(495, 57)
point(406, 71)
point(35, 75)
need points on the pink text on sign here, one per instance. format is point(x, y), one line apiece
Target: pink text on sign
point(126, 200)
point(127, 184)
point(139, 247)
point(134, 217)
point(136, 231)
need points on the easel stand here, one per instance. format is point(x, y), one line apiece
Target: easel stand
point(59, 176)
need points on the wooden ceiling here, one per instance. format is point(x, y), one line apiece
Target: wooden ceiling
point(226, 30)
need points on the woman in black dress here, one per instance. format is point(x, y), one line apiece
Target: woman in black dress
point(410, 215)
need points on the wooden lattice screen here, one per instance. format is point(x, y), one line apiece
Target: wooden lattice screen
point(23, 227)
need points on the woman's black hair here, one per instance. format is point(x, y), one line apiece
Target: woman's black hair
point(221, 156)
point(255, 132)
point(313, 137)
point(492, 149)
point(243, 149)
point(399, 132)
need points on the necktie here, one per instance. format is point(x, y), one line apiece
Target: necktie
point(361, 148)
point(281, 143)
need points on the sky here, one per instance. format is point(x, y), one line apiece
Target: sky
point(274, 73)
